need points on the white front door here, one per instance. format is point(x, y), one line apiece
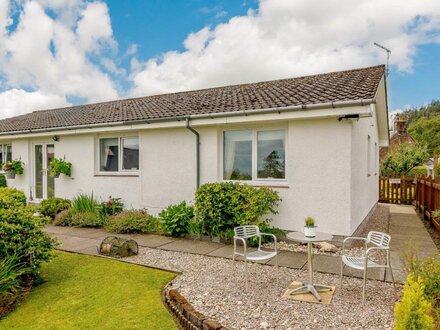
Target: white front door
point(44, 184)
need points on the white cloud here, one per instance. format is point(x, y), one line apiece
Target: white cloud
point(286, 38)
point(55, 55)
point(17, 101)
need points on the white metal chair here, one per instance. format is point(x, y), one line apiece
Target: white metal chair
point(373, 242)
point(242, 233)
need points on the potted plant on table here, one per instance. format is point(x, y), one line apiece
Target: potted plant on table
point(59, 166)
point(309, 228)
point(13, 167)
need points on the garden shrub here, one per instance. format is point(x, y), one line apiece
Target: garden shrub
point(111, 207)
point(3, 182)
point(11, 198)
point(419, 171)
point(176, 219)
point(64, 218)
point(21, 234)
point(86, 219)
point(414, 310)
point(134, 221)
point(223, 206)
point(52, 206)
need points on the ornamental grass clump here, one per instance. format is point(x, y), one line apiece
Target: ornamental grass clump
point(84, 203)
point(222, 206)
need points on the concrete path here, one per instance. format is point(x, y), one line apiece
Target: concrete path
point(404, 226)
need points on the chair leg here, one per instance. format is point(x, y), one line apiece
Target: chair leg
point(364, 285)
point(342, 270)
point(246, 272)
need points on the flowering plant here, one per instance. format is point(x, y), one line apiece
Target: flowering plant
point(111, 207)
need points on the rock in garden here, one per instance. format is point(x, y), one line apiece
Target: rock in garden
point(327, 247)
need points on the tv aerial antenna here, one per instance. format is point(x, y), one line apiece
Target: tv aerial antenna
point(388, 56)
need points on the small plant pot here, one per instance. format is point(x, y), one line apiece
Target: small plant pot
point(10, 175)
point(309, 231)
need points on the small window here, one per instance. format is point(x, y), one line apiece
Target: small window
point(253, 155)
point(5, 153)
point(130, 153)
point(119, 154)
point(237, 160)
point(271, 156)
point(109, 155)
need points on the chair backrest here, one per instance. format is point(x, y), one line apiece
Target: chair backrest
point(247, 231)
point(379, 239)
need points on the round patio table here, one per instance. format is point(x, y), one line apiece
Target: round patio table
point(310, 287)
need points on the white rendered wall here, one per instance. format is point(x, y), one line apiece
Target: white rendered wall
point(324, 170)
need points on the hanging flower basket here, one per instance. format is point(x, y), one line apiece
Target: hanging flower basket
point(12, 168)
point(10, 174)
point(59, 166)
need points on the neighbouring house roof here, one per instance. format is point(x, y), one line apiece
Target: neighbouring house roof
point(351, 85)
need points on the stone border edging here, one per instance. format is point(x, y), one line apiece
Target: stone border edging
point(186, 316)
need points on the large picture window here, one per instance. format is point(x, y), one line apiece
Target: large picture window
point(254, 154)
point(119, 154)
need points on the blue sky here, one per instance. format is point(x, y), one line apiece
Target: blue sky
point(60, 52)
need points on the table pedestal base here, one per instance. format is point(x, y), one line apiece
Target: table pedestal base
point(313, 289)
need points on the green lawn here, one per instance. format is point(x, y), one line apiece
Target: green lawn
point(84, 292)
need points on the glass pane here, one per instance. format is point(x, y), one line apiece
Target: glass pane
point(237, 155)
point(271, 155)
point(8, 152)
point(1, 154)
point(130, 153)
point(39, 172)
point(109, 155)
point(50, 179)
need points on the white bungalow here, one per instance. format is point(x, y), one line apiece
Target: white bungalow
point(314, 139)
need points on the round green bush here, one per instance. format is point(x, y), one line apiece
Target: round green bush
point(52, 206)
point(134, 221)
point(223, 206)
point(21, 234)
point(11, 198)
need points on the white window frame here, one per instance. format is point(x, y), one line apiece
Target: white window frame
point(255, 180)
point(3, 145)
point(120, 171)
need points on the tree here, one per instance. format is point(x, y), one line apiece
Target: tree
point(432, 109)
point(403, 159)
point(426, 131)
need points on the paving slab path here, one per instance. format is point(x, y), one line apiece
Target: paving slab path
point(405, 226)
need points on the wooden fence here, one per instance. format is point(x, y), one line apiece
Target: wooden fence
point(397, 190)
point(428, 198)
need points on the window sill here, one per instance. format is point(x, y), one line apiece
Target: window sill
point(121, 175)
point(268, 184)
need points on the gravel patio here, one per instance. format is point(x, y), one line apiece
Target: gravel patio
point(214, 284)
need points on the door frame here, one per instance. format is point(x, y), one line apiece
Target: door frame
point(44, 144)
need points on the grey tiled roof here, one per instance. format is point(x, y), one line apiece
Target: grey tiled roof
point(329, 87)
